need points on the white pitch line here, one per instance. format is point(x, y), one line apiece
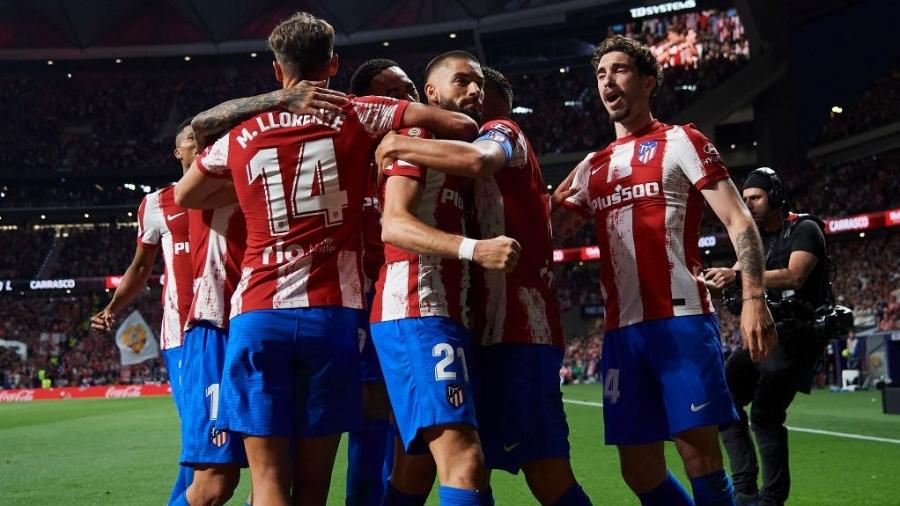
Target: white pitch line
point(795, 429)
point(584, 403)
point(845, 435)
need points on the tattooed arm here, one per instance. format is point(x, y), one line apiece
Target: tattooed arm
point(307, 97)
point(757, 326)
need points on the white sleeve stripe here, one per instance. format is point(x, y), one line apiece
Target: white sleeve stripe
point(376, 118)
point(684, 152)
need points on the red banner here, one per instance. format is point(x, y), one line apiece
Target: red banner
point(105, 392)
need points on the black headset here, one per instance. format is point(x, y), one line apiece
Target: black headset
point(776, 194)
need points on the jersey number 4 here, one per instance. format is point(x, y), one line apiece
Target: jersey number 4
point(315, 189)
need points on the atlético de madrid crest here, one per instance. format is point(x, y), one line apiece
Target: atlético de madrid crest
point(218, 437)
point(456, 396)
point(646, 151)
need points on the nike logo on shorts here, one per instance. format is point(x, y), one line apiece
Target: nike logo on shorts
point(173, 216)
point(511, 447)
point(697, 408)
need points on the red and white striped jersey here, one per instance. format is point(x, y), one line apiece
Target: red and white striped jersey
point(162, 222)
point(411, 285)
point(643, 190)
point(300, 182)
point(373, 247)
point(518, 307)
point(219, 237)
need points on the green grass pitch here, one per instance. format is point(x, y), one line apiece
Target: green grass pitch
point(123, 451)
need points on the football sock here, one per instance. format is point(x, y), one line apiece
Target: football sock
point(367, 448)
point(182, 482)
point(450, 496)
point(181, 500)
point(714, 489)
point(668, 493)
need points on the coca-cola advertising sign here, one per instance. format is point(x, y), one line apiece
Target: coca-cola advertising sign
point(104, 392)
point(22, 395)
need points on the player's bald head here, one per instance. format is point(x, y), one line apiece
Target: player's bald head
point(442, 60)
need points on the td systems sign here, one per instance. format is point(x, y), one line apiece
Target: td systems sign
point(663, 8)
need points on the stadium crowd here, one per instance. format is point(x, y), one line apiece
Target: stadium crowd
point(61, 347)
point(92, 127)
point(879, 105)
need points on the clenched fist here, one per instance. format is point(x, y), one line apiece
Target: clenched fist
point(499, 253)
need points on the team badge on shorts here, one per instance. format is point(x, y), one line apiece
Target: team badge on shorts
point(456, 395)
point(218, 437)
point(646, 151)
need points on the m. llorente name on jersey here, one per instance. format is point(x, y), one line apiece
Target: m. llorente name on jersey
point(284, 119)
point(622, 194)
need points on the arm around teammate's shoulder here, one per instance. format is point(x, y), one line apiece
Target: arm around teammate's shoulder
point(444, 124)
point(456, 158)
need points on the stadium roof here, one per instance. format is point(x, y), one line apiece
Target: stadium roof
point(34, 29)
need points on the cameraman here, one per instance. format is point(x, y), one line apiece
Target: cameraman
point(796, 271)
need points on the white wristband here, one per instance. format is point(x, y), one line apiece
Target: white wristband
point(466, 249)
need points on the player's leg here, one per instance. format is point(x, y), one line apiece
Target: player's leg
point(686, 355)
point(634, 418)
point(742, 376)
point(522, 422)
point(172, 359)
point(257, 397)
point(370, 447)
point(329, 395)
point(270, 469)
point(215, 455)
point(774, 395)
point(412, 477)
point(459, 461)
point(425, 369)
point(313, 464)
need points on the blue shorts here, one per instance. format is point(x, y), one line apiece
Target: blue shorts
point(663, 377)
point(520, 410)
point(201, 376)
point(292, 373)
point(427, 377)
point(172, 358)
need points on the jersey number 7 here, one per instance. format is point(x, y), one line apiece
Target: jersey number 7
point(315, 189)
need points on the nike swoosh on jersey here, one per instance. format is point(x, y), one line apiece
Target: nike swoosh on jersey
point(697, 408)
point(173, 216)
point(511, 447)
point(594, 171)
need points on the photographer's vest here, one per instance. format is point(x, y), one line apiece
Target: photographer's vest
point(778, 248)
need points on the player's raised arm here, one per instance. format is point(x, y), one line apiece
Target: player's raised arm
point(446, 124)
point(403, 229)
point(568, 205)
point(306, 97)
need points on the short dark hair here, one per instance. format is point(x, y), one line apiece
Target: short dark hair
point(495, 79)
point(361, 81)
point(185, 123)
point(456, 54)
point(640, 54)
point(303, 43)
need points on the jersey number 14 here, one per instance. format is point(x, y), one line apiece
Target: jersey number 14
point(315, 189)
